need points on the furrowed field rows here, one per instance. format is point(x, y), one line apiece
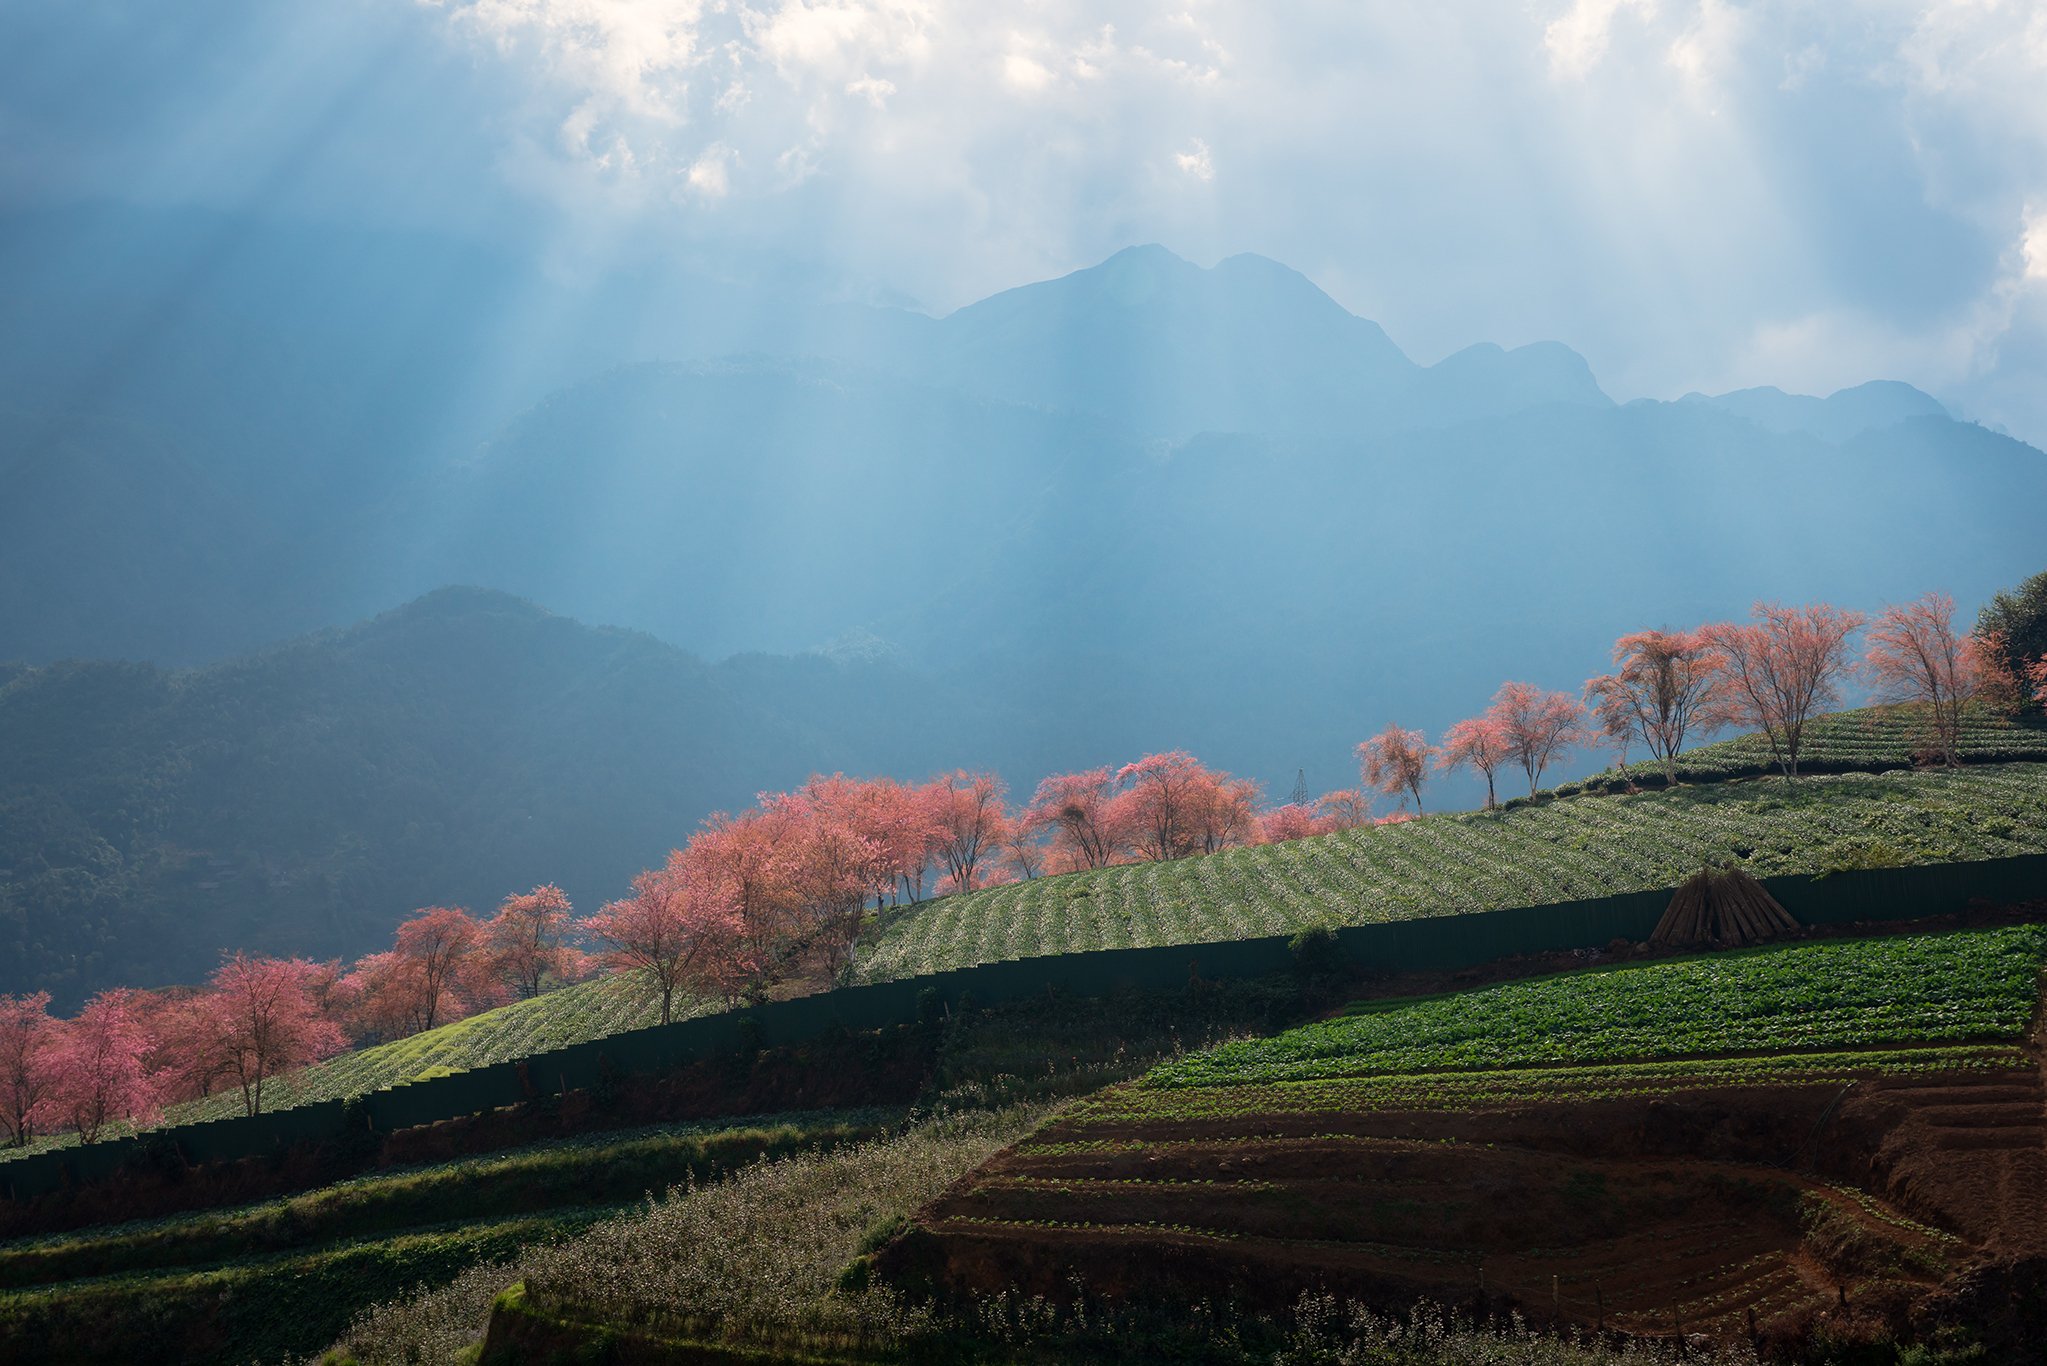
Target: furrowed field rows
point(1442, 864)
point(1870, 739)
point(1561, 850)
point(586, 1011)
point(1951, 988)
point(589, 1170)
point(572, 1014)
point(1139, 1105)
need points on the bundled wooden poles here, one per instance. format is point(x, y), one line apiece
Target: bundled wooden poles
point(1723, 907)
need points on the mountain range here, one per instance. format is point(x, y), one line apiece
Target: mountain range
point(1146, 505)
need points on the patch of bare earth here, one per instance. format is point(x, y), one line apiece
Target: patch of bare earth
point(1700, 1211)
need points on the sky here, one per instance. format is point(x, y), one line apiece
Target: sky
point(1696, 195)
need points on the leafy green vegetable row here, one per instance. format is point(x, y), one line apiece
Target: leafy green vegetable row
point(1147, 1105)
point(1936, 988)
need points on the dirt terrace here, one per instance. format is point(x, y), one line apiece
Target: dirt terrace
point(1653, 1213)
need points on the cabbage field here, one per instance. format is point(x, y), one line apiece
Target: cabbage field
point(1968, 986)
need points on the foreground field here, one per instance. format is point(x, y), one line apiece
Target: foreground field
point(287, 1274)
point(1552, 1169)
point(263, 1281)
point(1447, 864)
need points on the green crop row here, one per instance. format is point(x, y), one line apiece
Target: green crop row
point(254, 1308)
point(1934, 988)
point(588, 1170)
point(1452, 863)
point(587, 1010)
point(1869, 740)
point(1142, 1105)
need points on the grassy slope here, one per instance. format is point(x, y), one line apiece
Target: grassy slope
point(756, 1255)
point(1446, 864)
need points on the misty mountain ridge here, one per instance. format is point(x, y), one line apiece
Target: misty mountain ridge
point(1145, 506)
point(1163, 346)
point(311, 425)
point(1839, 416)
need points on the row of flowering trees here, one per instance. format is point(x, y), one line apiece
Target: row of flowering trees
point(792, 879)
point(127, 1053)
point(785, 886)
point(1772, 674)
point(782, 886)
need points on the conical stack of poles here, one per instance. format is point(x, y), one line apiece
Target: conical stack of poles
point(1723, 907)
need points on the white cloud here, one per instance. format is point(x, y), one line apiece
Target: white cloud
point(1682, 189)
point(873, 89)
point(1709, 47)
point(1023, 72)
point(1578, 38)
point(634, 54)
point(708, 176)
point(1833, 348)
point(839, 37)
point(2033, 247)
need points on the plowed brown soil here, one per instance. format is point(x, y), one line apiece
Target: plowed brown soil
point(1685, 1212)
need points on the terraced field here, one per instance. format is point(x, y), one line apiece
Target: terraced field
point(1975, 986)
point(1869, 740)
point(1568, 1165)
point(1442, 864)
point(1447, 864)
point(587, 1010)
point(260, 1282)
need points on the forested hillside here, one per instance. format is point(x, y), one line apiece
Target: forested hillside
point(301, 800)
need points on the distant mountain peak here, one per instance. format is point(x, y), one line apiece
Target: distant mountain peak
point(861, 647)
point(458, 601)
point(1144, 256)
point(1486, 379)
point(1837, 417)
point(1894, 391)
